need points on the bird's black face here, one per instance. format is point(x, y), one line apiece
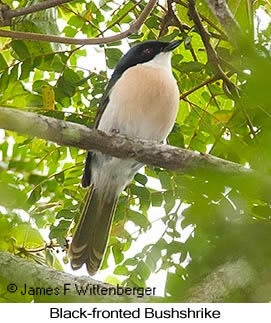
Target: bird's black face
point(143, 53)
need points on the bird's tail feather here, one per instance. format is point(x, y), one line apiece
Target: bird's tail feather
point(91, 235)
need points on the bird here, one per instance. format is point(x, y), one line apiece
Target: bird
point(141, 100)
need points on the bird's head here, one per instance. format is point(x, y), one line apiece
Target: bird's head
point(148, 51)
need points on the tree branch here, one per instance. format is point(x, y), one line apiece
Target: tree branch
point(242, 41)
point(34, 8)
point(222, 12)
point(213, 25)
point(76, 135)
point(20, 272)
point(219, 284)
point(134, 28)
point(232, 276)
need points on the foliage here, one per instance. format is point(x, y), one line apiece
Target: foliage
point(203, 220)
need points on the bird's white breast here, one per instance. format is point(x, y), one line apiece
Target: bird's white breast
point(144, 101)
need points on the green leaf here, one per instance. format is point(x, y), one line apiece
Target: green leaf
point(3, 63)
point(165, 180)
point(137, 281)
point(112, 280)
point(60, 177)
point(4, 81)
point(143, 270)
point(152, 22)
point(64, 88)
point(121, 270)
point(118, 255)
point(20, 49)
point(176, 60)
point(26, 236)
point(34, 196)
point(5, 227)
point(141, 179)
point(170, 201)
point(65, 213)
point(187, 67)
point(174, 247)
point(37, 86)
point(76, 21)
point(71, 76)
point(151, 263)
point(154, 256)
point(140, 191)
point(123, 12)
point(113, 56)
point(70, 31)
point(170, 37)
point(57, 64)
point(14, 74)
point(49, 257)
point(59, 232)
point(26, 68)
point(174, 285)
point(130, 262)
point(11, 197)
point(138, 219)
point(157, 198)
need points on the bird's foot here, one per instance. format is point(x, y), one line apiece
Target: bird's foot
point(115, 131)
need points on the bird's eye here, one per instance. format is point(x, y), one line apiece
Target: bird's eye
point(147, 51)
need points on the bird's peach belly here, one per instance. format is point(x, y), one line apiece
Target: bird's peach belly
point(145, 109)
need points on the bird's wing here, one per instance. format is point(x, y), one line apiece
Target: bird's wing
point(105, 98)
point(86, 179)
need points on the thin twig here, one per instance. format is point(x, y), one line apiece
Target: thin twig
point(65, 8)
point(181, 27)
point(36, 7)
point(211, 53)
point(208, 81)
point(122, 16)
point(134, 28)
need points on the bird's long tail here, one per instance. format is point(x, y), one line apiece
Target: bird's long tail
point(91, 235)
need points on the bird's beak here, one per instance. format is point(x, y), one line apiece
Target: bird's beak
point(172, 45)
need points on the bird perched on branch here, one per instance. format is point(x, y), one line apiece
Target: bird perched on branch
point(140, 101)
